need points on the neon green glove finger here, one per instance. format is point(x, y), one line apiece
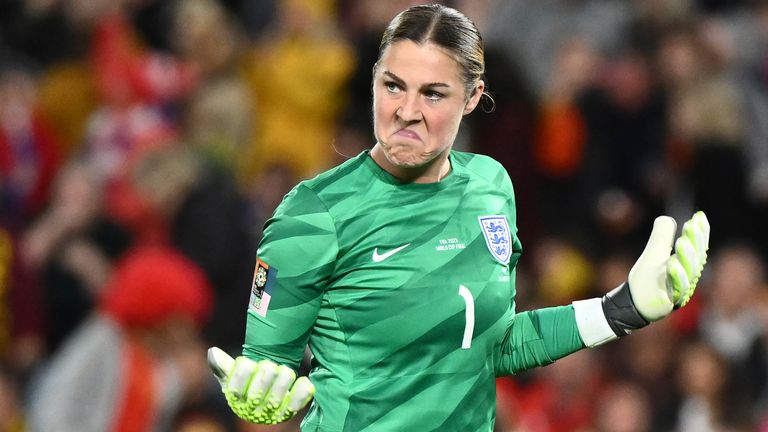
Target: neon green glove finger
point(270, 395)
point(299, 396)
point(685, 267)
point(240, 376)
point(261, 381)
point(701, 225)
point(697, 230)
point(685, 252)
point(259, 391)
point(678, 282)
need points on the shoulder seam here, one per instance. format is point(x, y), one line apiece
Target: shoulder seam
point(479, 174)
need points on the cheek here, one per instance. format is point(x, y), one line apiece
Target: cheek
point(445, 126)
point(384, 104)
point(383, 111)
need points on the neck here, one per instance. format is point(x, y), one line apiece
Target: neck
point(432, 172)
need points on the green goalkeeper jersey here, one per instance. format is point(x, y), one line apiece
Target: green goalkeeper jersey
point(404, 293)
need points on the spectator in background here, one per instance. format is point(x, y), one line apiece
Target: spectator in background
point(11, 413)
point(67, 97)
point(598, 142)
point(703, 378)
point(648, 360)
point(217, 117)
point(652, 19)
point(298, 74)
point(734, 324)
point(29, 148)
point(562, 272)
point(624, 116)
point(531, 31)
point(623, 407)
point(55, 34)
point(139, 355)
point(6, 261)
point(599, 146)
point(137, 89)
point(271, 186)
point(558, 399)
point(71, 248)
point(171, 195)
point(706, 118)
point(29, 159)
point(560, 138)
point(748, 28)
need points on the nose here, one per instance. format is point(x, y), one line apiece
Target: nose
point(409, 110)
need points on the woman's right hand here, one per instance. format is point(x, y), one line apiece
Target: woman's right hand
point(260, 391)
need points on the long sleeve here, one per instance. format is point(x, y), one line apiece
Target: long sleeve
point(537, 338)
point(295, 260)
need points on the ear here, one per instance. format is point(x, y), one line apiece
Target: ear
point(474, 99)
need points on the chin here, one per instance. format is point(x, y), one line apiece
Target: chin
point(409, 164)
point(402, 162)
point(405, 158)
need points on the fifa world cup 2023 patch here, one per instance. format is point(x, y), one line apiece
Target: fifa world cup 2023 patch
point(264, 279)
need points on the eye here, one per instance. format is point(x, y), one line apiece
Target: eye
point(392, 86)
point(433, 95)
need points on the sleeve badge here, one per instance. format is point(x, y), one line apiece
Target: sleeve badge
point(264, 279)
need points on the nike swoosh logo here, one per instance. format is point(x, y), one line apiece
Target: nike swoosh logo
point(381, 257)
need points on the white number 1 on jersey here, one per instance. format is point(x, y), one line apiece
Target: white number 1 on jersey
point(469, 315)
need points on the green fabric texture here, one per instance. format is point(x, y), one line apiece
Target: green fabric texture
point(409, 315)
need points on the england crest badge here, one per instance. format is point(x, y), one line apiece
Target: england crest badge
point(497, 236)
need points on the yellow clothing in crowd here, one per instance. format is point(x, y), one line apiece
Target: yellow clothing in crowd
point(298, 82)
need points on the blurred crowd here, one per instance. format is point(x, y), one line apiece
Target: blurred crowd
point(143, 143)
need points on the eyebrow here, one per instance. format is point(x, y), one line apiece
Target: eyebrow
point(401, 82)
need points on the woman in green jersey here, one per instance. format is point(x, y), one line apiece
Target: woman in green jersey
point(397, 268)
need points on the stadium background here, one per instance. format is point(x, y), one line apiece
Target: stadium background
point(126, 123)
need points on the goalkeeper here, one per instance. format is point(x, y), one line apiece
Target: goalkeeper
point(397, 267)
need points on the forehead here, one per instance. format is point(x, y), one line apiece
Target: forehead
point(420, 63)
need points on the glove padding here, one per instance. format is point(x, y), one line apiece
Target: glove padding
point(659, 282)
point(260, 392)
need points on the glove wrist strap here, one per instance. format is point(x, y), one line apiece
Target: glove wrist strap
point(591, 322)
point(620, 311)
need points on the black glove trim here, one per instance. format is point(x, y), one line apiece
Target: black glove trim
point(620, 311)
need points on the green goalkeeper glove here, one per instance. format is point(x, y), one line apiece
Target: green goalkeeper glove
point(260, 391)
point(657, 284)
point(674, 278)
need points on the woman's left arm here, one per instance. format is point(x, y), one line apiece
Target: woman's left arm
point(537, 338)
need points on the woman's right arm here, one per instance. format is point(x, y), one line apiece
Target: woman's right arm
point(295, 260)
